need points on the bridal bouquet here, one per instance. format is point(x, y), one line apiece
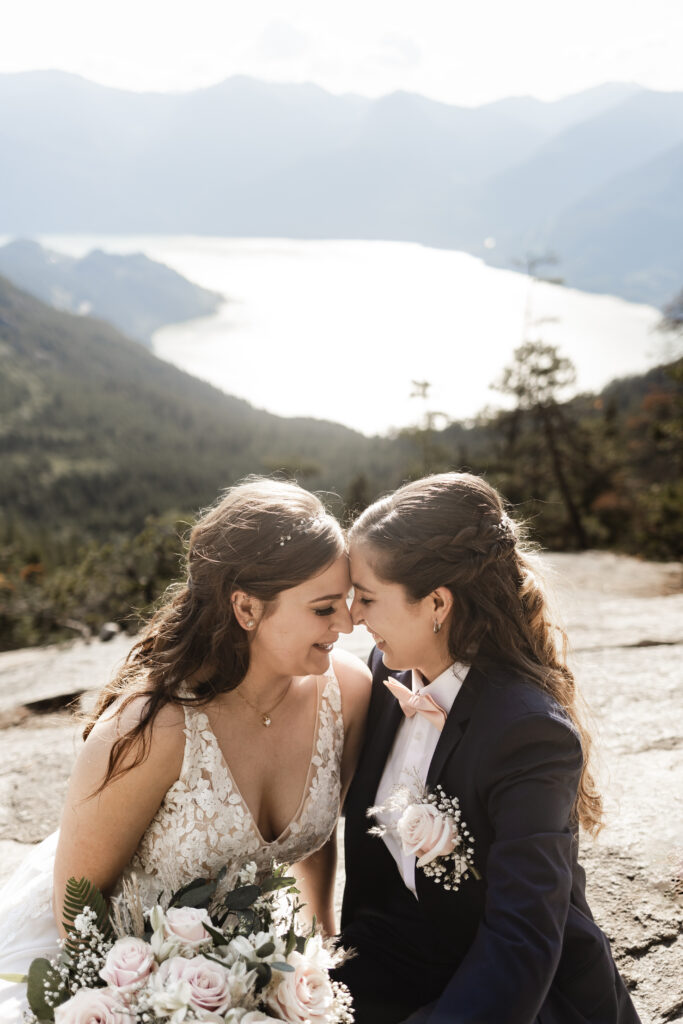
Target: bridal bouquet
point(236, 958)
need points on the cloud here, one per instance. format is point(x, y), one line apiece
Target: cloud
point(399, 51)
point(280, 41)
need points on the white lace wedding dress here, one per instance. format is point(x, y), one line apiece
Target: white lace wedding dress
point(202, 825)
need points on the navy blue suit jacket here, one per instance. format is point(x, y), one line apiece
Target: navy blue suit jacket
point(520, 944)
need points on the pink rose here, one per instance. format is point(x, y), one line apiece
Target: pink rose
point(209, 982)
point(187, 924)
point(129, 963)
point(426, 832)
point(93, 1006)
point(304, 995)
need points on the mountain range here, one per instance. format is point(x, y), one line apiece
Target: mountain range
point(130, 291)
point(596, 177)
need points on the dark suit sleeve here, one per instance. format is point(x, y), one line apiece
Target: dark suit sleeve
point(528, 780)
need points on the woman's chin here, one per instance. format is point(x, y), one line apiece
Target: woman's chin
point(390, 660)
point(322, 656)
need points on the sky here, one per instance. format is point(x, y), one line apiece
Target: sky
point(465, 53)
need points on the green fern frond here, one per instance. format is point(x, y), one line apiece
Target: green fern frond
point(81, 893)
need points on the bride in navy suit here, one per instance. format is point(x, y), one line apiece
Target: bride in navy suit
point(464, 896)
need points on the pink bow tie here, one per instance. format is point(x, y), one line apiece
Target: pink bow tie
point(417, 704)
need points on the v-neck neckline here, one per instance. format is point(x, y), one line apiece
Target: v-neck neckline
point(307, 781)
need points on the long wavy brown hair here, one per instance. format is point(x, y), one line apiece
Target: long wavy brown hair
point(262, 536)
point(451, 530)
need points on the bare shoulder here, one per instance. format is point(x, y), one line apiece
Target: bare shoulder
point(167, 736)
point(349, 669)
point(355, 681)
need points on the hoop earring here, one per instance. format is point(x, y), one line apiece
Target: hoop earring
point(437, 626)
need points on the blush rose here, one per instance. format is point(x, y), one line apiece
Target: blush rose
point(89, 1005)
point(304, 995)
point(427, 833)
point(209, 982)
point(187, 925)
point(129, 963)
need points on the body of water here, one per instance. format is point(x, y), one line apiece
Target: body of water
point(339, 329)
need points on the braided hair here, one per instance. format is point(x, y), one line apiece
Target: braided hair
point(451, 530)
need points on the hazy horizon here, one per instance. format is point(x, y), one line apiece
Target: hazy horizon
point(467, 58)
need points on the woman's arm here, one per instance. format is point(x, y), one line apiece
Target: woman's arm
point(99, 833)
point(315, 880)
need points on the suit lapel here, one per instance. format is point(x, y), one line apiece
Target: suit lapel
point(387, 720)
point(453, 730)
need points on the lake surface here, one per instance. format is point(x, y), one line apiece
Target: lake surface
point(339, 329)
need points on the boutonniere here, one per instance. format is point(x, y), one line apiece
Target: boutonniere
point(430, 827)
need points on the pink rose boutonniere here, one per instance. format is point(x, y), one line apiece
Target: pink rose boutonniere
point(430, 827)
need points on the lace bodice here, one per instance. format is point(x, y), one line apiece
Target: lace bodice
point(204, 824)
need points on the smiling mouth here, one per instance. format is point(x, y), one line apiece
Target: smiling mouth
point(324, 647)
point(378, 639)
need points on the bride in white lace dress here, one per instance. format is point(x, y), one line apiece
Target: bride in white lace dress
point(229, 735)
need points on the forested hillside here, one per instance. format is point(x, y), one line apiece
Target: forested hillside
point(98, 433)
point(106, 454)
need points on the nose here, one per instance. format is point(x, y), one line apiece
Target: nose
point(356, 611)
point(343, 622)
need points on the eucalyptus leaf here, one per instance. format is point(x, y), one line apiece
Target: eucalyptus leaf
point(263, 975)
point(277, 966)
point(218, 938)
point(266, 949)
point(196, 894)
point(291, 942)
point(242, 898)
point(42, 975)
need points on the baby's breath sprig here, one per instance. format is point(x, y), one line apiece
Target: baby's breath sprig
point(440, 839)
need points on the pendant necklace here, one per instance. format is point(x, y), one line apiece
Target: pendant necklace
point(265, 715)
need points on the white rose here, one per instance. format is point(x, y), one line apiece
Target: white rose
point(240, 948)
point(425, 832)
point(304, 995)
point(169, 998)
point(243, 1016)
point(129, 963)
point(316, 952)
point(93, 1006)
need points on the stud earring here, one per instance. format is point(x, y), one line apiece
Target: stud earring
point(250, 624)
point(437, 626)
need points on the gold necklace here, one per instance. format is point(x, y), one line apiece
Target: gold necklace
point(265, 715)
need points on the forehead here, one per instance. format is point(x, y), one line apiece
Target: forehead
point(363, 575)
point(334, 579)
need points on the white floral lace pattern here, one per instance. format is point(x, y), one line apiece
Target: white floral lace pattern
point(203, 823)
point(201, 826)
